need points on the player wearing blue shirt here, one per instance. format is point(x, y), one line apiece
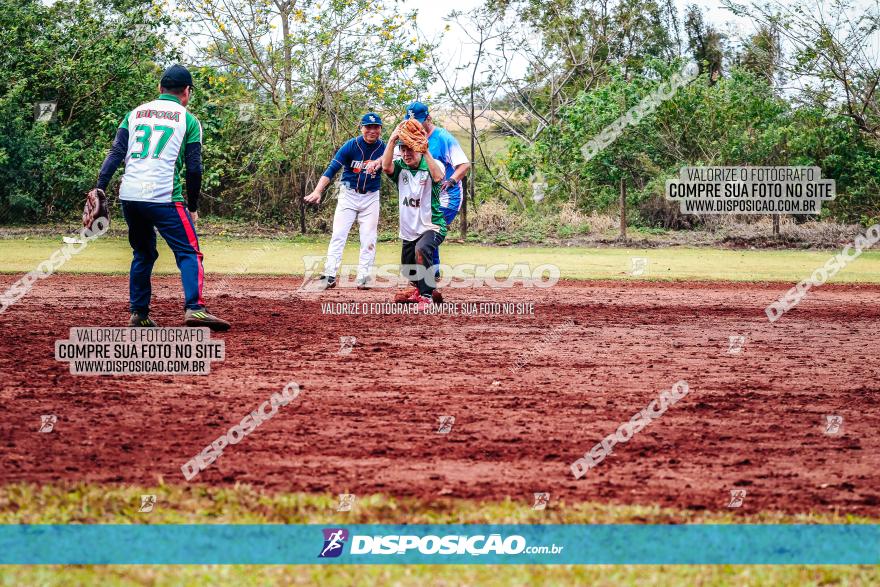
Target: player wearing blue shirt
point(445, 149)
point(358, 200)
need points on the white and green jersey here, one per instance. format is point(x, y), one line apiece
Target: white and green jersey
point(158, 133)
point(419, 200)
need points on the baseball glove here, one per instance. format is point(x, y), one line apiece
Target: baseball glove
point(96, 207)
point(413, 136)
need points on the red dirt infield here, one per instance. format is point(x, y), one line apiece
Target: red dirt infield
point(366, 421)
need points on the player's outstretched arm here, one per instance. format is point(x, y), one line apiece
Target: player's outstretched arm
point(315, 196)
point(329, 173)
point(373, 166)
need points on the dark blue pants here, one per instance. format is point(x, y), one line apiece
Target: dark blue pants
point(420, 252)
point(449, 214)
point(174, 223)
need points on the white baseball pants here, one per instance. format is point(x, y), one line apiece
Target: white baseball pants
point(353, 206)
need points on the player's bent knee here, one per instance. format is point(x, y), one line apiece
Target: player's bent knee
point(146, 256)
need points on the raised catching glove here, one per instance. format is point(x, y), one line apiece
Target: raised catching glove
point(96, 207)
point(413, 135)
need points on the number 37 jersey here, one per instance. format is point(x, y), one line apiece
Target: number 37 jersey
point(158, 133)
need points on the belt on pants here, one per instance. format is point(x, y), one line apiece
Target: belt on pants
point(359, 192)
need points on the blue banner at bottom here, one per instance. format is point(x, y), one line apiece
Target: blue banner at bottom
point(441, 544)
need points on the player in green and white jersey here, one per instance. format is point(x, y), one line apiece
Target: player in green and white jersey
point(157, 140)
point(422, 226)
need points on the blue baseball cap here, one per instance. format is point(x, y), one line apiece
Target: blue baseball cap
point(370, 118)
point(176, 77)
point(417, 110)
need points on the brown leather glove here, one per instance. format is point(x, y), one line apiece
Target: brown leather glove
point(96, 207)
point(413, 136)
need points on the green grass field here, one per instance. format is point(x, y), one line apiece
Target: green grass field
point(439, 575)
point(87, 504)
point(285, 257)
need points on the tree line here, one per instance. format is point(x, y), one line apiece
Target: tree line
point(280, 84)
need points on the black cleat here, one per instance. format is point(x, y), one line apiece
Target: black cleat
point(204, 318)
point(139, 320)
point(320, 284)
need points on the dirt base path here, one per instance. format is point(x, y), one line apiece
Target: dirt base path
point(529, 393)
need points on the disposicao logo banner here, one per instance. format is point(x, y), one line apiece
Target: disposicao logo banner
point(814, 544)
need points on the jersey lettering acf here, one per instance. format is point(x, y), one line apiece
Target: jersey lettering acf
point(419, 200)
point(158, 132)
